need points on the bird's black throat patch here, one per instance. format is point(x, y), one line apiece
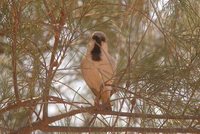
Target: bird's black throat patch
point(96, 53)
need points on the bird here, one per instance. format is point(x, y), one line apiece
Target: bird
point(98, 69)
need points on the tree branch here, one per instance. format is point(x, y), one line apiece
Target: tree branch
point(119, 129)
point(22, 103)
point(111, 129)
point(53, 61)
point(15, 15)
point(43, 124)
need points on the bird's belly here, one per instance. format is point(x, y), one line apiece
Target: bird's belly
point(96, 74)
point(92, 77)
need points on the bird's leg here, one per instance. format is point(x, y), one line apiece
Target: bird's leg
point(105, 97)
point(97, 103)
point(99, 98)
point(107, 105)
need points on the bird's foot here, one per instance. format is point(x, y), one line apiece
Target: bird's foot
point(107, 107)
point(97, 104)
point(102, 107)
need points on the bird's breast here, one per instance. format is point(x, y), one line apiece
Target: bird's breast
point(97, 70)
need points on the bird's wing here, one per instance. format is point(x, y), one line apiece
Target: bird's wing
point(107, 68)
point(91, 75)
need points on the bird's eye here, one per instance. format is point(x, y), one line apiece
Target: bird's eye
point(97, 39)
point(94, 37)
point(103, 39)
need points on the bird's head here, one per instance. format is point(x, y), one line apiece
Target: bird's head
point(97, 45)
point(99, 37)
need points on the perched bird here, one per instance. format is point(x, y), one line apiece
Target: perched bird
point(98, 69)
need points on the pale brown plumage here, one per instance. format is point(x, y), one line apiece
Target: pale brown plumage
point(98, 68)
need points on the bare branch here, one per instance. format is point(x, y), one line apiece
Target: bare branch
point(16, 21)
point(22, 103)
point(43, 124)
point(53, 61)
point(119, 129)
